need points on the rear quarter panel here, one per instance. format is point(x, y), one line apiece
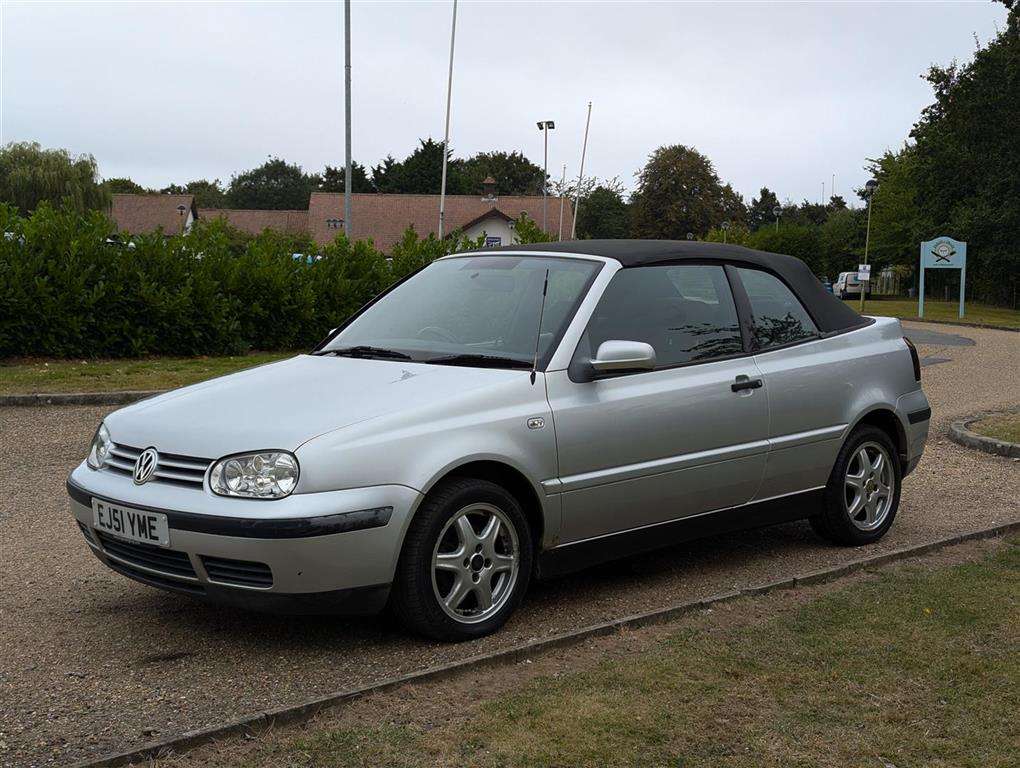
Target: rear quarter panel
point(817, 393)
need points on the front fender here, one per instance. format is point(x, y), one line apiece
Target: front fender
point(418, 447)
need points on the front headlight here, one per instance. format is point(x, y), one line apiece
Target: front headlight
point(100, 447)
point(267, 475)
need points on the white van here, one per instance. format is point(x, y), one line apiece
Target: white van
point(847, 284)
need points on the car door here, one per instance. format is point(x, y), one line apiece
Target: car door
point(808, 379)
point(642, 448)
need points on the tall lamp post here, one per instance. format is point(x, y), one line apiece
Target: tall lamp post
point(869, 188)
point(775, 212)
point(545, 126)
point(347, 118)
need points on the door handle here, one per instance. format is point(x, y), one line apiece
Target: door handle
point(743, 382)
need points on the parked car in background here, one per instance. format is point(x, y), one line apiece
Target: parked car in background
point(511, 414)
point(847, 284)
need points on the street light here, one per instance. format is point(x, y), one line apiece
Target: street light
point(869, 188)
point(725, 227)
point(775, 212)
point(545, 126)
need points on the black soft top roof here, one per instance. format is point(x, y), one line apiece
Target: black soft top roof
point(829, 313)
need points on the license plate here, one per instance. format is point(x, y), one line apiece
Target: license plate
point(131, 524)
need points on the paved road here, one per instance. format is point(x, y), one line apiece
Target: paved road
point(91, 662)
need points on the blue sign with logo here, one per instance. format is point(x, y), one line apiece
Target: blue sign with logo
point(943, 253)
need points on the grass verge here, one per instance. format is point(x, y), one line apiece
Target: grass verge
point(50, 376)
point(943, 311)
point(1001, 426)
point(914, 667)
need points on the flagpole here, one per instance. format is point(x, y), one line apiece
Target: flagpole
point(580, 176)
point(446, 134)
point(563, 189)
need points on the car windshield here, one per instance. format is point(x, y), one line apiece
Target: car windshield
point(476, 310)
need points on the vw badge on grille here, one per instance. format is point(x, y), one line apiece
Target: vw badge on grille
point(145, 465)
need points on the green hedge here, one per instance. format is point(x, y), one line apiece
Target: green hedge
point(66, 290)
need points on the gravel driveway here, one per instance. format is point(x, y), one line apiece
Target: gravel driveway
point(91, 662)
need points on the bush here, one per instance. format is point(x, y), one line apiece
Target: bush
point(69, 287)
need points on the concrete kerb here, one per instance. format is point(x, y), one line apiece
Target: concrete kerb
point(78, 398)
point(960, 432)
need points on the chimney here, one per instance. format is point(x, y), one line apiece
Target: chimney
point(489, 188)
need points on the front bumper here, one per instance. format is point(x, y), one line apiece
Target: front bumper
point(323, 552)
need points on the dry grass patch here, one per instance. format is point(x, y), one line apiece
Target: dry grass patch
point(943, 311)
point(1001, 426)
point(52, 376)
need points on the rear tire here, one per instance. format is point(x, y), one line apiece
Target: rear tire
point(862, 495)
point(466, 562)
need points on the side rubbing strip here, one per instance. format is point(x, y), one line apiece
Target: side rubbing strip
point(915, 417)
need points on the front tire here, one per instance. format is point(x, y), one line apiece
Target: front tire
point(863, 493)
point(466, 562)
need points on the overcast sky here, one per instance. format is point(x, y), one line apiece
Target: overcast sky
point(782, 94)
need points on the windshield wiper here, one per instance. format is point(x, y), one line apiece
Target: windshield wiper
point(363, 350)
point(480, 361)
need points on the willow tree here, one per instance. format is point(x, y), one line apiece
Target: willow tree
point(30, 175)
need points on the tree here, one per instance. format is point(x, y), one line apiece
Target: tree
point(896, 225)
point(527, 230)
point(208, 194)
point(125, 186)
point(513, 172)
point(420, 173)
point(841, 240)
point(733, 205)
point(274, 185)
point(333, 179)
point(967, 164)
point(759, 213)
point(603, 213)
point(836, 203)
point(30, 175)
point(678, 192)
point(797, 240)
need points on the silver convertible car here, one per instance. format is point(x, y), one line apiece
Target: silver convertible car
point(511, 414)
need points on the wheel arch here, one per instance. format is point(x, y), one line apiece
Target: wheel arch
point(884, 417)
point(506, 475)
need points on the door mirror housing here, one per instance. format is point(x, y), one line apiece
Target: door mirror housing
point(623, 357)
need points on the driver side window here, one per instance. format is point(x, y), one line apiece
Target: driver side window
point(685, 312)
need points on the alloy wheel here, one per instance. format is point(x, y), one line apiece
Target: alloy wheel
point(475, 563)
point(869, 486)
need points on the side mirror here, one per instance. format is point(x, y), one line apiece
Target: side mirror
point(622, 356)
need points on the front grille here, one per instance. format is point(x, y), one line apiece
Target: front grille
point(157, 581)
point(171, 467)
point(238, 572)
point(147, 556)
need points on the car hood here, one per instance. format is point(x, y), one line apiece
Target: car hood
point(284, 404)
